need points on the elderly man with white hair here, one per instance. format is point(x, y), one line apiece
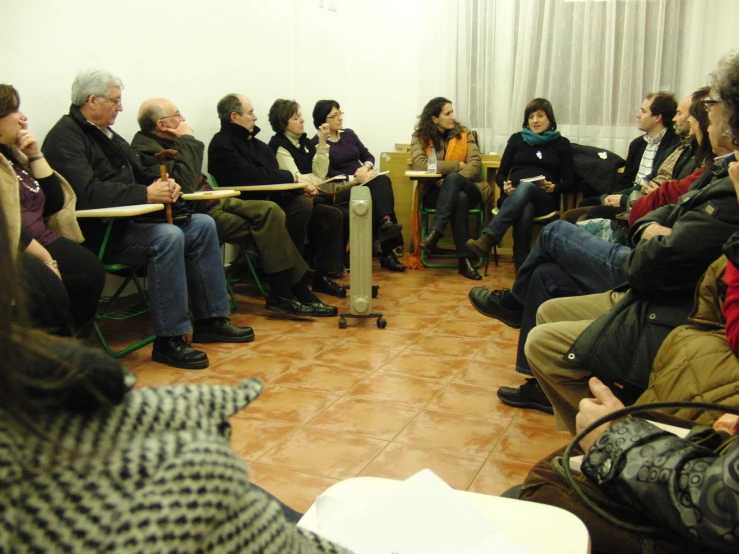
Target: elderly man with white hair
point(182, 260)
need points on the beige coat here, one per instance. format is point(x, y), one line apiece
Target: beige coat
point(320, 161)
point(63, 222)
point(695, 362)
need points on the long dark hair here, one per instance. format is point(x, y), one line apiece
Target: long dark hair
point(426, 129)
point(703, 153)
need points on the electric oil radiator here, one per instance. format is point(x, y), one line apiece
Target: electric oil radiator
point(360, 259)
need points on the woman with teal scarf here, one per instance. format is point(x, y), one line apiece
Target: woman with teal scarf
point(537, 150)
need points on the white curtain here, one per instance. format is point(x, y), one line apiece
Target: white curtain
point(595, 60)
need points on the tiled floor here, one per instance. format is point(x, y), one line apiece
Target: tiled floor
point(365, 401)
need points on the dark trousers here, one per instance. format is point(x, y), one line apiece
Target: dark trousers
point(527, 201)
point(383, 204)
point(453, 201)
point(321, 224)
point(65, 307)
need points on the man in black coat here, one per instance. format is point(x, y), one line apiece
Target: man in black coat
point(236, 157)
point(238, 221)
point(105, 173)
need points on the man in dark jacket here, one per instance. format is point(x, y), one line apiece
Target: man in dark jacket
point(236, 157)
point(615, 335)
point(104, 173)
point(237, 221)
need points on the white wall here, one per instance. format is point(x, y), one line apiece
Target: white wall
point(370, 56)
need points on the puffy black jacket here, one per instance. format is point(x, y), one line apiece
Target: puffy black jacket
point(662, 274)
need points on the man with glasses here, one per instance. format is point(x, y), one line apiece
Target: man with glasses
point(238, 221)
point(104, 173)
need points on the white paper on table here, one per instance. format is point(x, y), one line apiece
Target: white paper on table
point(422, 515)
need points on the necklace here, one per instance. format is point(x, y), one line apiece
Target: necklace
point(24, 180)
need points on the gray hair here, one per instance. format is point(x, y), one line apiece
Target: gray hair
point(227, 105)
point(92, 82)
point(725, 82)
point(149, 117)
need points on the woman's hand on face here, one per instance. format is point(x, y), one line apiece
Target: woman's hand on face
point(323, 132)
point(27, 143)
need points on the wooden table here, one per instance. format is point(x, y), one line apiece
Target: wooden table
point(209, 194)
point(120, 211)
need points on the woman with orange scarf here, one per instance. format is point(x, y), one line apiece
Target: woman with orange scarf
point(457, 192)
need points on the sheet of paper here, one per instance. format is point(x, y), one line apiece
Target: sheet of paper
point(533, 179)
point(422, 515)
point(370, 179)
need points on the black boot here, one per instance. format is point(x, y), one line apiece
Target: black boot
point(468, 270)
point(429, 243)
point(389, 261)
point(175, 351)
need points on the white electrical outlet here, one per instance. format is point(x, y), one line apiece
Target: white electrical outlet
point(333, 5)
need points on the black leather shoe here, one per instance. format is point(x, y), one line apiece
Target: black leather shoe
point(489, 303)
point(468, 270)
point(388, 230)
point(220, 329)
point(322, 310)
point(429, 243)
point(391, 262)
point(289, 306)
point(327, 286)
point(175, 351)
point(529, 395)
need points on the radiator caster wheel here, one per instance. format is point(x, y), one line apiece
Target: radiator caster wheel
point(375, 290)
point(342, 323)
point(381, 322)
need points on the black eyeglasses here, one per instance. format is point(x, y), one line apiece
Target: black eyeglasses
point(708, 102)
point(334, 115)
point(176, 114)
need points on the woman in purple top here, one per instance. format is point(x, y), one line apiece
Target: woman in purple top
point(348, 156)
point(63, 280)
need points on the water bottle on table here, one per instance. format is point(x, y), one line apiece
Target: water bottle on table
point(431, 166)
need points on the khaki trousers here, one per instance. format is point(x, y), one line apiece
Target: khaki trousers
point(263, 223)
point(559, 322)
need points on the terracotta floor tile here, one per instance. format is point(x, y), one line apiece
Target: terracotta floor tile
point(232, 370)
point(497, 476)
point(439, 296)
point(471, 400)
point(396, 389)
point(291, 347)
point(160, 375)
point(400, 461)
point(488, 374)
point(457, 432)
point(528, 443)
point(535, 417)
point(482, 329)
point(325, 453)
point(446, 345)
point(418, 364)
point(289, 405)
point(319, 377)
point(412, 322)
point(252, 437)
point(297, 490)
point(363, 417)
point(413, 306)
point(388, 337)
point(355, 356)
point(321, 328)
point(498, 352)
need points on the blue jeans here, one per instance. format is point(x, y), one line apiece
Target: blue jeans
point(519, 209)
point(565, 261)
point(453, 201)
point(180, 259)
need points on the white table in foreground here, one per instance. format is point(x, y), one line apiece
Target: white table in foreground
point(120, 211)
point(210, 194)
point(539, 528)
point(267, 188)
